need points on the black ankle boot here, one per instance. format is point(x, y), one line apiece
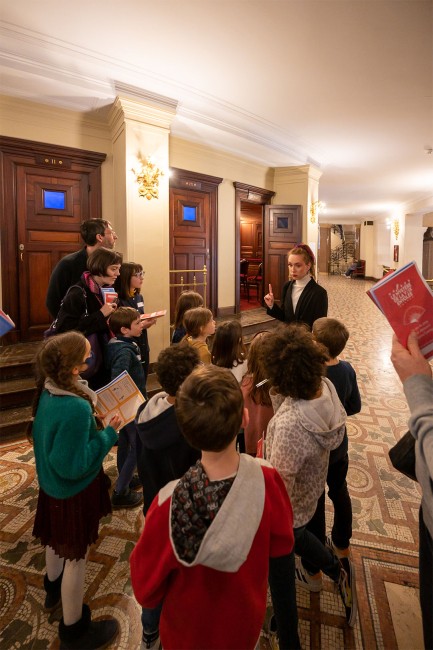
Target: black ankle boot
point(85, 634)
point(53, 589)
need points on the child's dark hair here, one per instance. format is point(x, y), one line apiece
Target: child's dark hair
point(122, 317)
point(56, 358)
point(294, 361)
point(256, 370)
point(123, 281)
point(332, 333)
point(173, 366)
point(209, 408)
point(99, 261)
point(228, 346)
point(187, 300)
point(195, 319)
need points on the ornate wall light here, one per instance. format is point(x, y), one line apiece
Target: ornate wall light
point(396, 228)
point(315, 208)
point(147, 178)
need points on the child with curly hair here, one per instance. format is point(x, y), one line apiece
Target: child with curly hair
point(309, 421)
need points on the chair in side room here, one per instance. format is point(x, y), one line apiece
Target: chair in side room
point(244, 274)
point(359, 272)
point(255, 281)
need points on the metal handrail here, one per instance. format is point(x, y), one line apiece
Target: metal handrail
point(194, 284)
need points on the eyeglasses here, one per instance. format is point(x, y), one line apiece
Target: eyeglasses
point(139, 274)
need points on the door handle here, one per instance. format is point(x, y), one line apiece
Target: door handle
point(21, 247)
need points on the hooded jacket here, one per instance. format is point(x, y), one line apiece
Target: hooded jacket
point(122, 353)
point(68, 447)
point(219, 599)
point(298, 441)
point(163, 453)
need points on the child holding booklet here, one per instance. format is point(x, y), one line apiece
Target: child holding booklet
point(123, 353)
point(70, 445)
point(128, 286)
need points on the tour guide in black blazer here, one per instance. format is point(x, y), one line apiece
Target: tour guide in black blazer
point(312, 304)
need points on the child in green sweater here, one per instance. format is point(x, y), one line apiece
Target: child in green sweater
point(70, 446)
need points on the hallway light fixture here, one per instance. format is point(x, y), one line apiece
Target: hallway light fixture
point(147, 178)
point(315, 208)
point(396, 228)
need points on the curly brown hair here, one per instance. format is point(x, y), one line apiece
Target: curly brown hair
point(173, 366)
point(294, 361)
point(56, 358)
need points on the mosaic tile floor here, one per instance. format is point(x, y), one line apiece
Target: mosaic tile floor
point(385, 535)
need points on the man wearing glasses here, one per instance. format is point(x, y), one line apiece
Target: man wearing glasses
point(95, 233)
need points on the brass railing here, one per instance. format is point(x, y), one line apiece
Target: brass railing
point(191, 285)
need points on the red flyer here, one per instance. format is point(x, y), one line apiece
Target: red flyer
point(154, 314)
point(406, 300)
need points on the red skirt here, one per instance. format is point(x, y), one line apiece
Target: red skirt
point(70, 526)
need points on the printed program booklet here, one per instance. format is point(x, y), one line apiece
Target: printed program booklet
point(406, 300)
point(110, 295)
point(154, 314)
point(121, 395)
point(6, 323)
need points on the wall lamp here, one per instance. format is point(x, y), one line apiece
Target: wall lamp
point(396, 228)
point(315, 208)
point(147, 178)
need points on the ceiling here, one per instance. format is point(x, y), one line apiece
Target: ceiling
point(345, 85)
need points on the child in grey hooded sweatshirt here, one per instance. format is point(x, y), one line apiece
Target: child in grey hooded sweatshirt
point(309, 421)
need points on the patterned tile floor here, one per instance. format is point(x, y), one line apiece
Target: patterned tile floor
point(384, 542)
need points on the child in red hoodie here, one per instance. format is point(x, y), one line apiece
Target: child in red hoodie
point(211, 537)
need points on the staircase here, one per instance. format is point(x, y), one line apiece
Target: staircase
point(17, 384)
point(17, 388)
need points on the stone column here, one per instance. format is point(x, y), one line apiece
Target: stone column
point(139, 124)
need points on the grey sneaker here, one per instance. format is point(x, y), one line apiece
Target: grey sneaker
point(338, 552)
point(150, 641)
point(306, 580)
point(347, 588)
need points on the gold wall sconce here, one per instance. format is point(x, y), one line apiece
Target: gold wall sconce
point(147, 178)
point(396, 228)
point(315, 208)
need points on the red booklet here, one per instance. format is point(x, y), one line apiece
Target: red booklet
point(406, 300)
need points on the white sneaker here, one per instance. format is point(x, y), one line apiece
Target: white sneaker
point(306, 580)
point(338, 552)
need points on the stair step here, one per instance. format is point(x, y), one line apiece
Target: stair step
point(13, 424)
point(17, 360)
point(16, 392)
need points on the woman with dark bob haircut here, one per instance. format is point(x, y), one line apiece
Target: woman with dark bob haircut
point(83, 307)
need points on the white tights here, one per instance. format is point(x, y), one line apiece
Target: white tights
point(74, 572)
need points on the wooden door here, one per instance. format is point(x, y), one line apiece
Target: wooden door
point(193, 234)
point(282, 231)
point(47, 192)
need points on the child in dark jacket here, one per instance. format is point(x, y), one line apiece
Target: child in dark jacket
point(122, 354)
point(334, 335)
point(163, 454)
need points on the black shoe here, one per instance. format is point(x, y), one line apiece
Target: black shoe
point(135, 483)
point(126, 499)
point(53, 590)
point(86, 634)
point(150, 641)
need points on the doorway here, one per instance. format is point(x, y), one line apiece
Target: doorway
point(250, 205)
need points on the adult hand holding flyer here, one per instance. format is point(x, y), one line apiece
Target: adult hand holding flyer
point(120, 396)
point(406, 300)
point(154, 314)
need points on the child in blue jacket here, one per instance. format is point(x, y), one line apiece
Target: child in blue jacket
point(123, 353)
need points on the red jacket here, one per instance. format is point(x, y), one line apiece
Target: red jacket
point(219, 600)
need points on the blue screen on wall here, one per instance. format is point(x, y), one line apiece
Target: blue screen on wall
point(54, 200)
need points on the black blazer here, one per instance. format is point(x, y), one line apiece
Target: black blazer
point(312, 304)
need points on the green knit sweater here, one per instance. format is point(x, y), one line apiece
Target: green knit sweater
point(69, 449)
